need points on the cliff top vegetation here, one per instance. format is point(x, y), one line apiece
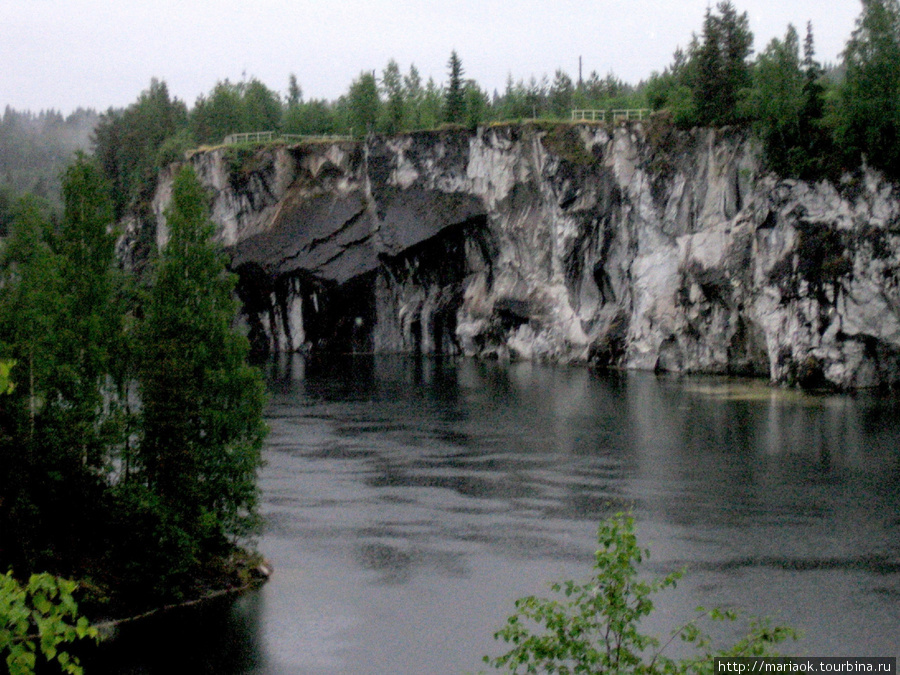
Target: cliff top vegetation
point(813, 119)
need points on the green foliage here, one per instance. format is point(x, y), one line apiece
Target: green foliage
point(414, 96)
point(219, 114)
point(394, 110)
point(127, 143)
point(33, 442)
point(777, 99)
point(561, 94)
point(38, 619)
point(364, 104)
point(787, 106)
point(6, 383)
point(201, 411)
point(477, 105)
point(704, 86)
point(312, 118)
point(720, 65)
point(166, 494)
point(175, 148)
point(235, 108)
point(85, 338)
point(594, 626)
point(261, 107)
point(869, 117)
point(431, 105)
point(455, 96)
point(58, 428)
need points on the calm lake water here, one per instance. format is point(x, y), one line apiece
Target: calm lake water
point(408, 502)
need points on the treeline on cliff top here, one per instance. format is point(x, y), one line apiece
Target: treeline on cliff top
point(813, 120)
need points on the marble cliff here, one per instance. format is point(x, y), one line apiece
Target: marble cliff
point(638, 246)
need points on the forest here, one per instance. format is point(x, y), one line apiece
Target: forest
point(130, 423)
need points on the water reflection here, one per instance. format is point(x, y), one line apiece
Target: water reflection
point(408, 502)
point(222, 636)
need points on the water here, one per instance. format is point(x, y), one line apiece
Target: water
point(407, 503)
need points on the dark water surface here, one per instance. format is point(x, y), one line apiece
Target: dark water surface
point(408, 502)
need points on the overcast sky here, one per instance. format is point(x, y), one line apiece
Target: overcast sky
point(64, 54)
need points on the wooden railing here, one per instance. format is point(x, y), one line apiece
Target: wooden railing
point(250, 137)
point(611, 115)
point(269, 136)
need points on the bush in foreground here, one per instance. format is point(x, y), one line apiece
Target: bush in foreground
point(594, 627)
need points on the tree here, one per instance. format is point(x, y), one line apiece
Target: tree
point(59, 321)
point(561, 92)
point(720, 69)
point(364, 104)
point(477, 105)
point(311, 118)
point(126, 143)
point(295, 92)
point(261, 107)
point(786, 103)
point(201, 416)
point(30, 310)
point(536, 96)
point(431, 105)
point(395, 106)
point(218, 114)
point(414, 95)
point(869, 115)
point(776, 101)
point(819, 155)
point(30, 304)
point(86, 245)
point(39, 618)
point(595, 626)
point(512, 104)
point(455, 95)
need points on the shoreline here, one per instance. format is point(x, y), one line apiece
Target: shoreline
point(259, 573)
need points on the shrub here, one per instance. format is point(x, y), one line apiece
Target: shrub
point(594, 628)
point(39, 617)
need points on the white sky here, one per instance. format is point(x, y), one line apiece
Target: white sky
point(99, 53)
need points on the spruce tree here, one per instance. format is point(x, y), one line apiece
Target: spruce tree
point(455, 97)
point(201, 418)
point(719, 70)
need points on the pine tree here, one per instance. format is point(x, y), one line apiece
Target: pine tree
point(561, 94)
